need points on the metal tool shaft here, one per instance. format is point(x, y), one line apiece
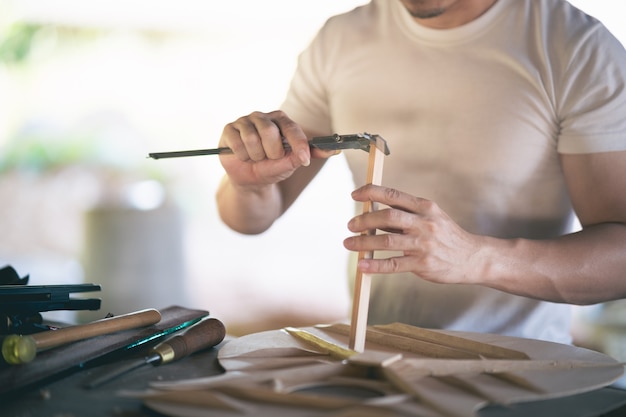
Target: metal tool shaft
point(197, 152)
point(333, 142)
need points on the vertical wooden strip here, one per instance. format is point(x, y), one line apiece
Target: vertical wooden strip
point(360, 306)
point(362, 283)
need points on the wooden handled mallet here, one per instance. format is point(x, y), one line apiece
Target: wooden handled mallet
point(18, 349)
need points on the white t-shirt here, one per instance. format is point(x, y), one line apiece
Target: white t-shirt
point(475, 118)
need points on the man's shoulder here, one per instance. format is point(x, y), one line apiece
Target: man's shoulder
point(361, 16)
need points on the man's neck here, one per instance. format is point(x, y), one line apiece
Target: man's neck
point(455, 14)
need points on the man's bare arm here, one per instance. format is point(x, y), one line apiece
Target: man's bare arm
point(586, 267)
point(580, 268)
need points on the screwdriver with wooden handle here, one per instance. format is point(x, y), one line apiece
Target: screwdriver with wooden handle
point(202, 335)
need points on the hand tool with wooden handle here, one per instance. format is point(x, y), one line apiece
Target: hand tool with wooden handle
point(18, 349)
point(204, 334)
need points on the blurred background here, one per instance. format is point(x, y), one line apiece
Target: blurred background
point(88, 89)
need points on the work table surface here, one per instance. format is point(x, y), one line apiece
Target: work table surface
point(66, 397)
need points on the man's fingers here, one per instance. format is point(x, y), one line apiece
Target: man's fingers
point(385, 266)
point(392, 198)
point(261, 136)
point(294, 136)
point(389, 220)
point(384, 241)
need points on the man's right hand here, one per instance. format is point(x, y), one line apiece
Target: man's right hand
point(259, 156)
point(262, 179)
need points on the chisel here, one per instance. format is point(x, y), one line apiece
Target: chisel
point(204, 334)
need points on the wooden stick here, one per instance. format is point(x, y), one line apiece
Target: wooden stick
point(46, 340)
point(362, 283)
point(17, 349)
point(406, 344)
point(486, 350)
point(401, 382)
point(266, 395)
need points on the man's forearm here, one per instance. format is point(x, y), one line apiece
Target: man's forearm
point(581, 268)
point(249, 210)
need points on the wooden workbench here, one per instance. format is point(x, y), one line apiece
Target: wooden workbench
point(66, 397)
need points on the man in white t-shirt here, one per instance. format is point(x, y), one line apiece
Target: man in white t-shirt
point(506, 120)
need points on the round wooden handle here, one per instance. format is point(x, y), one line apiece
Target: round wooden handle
point(53, 338)
point(202, 335)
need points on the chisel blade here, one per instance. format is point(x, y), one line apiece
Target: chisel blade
point(120, 370)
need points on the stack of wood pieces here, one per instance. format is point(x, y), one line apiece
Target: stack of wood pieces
point(404, 370)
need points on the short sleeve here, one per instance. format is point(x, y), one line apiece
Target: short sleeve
point(592, 109)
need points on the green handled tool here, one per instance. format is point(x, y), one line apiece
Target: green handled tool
point(204, 334)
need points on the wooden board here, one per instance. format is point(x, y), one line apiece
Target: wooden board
point(267, 373)
point(363, 282)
